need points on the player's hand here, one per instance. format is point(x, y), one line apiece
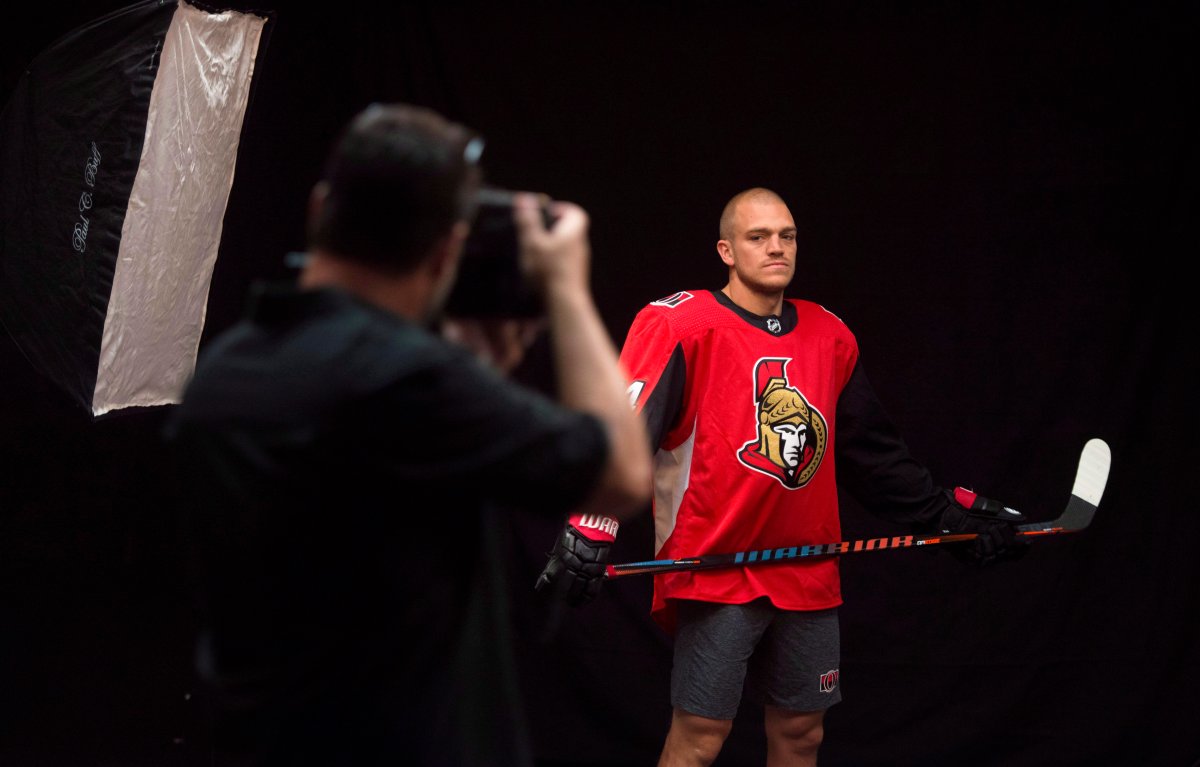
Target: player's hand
point(995, 523)
point(575, 571)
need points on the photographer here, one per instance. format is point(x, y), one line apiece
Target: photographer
point(343, 463)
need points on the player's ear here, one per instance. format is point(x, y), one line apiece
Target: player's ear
point(725, 251)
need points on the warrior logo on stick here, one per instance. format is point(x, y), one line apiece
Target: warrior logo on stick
point(792, 434)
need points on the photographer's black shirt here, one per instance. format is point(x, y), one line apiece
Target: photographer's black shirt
point(345, 470)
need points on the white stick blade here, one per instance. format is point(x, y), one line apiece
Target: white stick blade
point(1092, 475)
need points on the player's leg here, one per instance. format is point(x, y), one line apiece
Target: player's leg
point(713, 644)
point(693, 740)
point(793, 737)
point(795, 677)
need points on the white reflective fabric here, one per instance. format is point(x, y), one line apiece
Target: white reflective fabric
point(172, 226)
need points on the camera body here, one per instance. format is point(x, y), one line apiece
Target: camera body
point(490, 282)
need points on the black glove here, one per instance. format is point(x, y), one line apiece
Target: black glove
point(575, 571)
point(995, 523)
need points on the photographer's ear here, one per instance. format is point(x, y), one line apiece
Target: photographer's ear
point(440, 267)
point(316, 200)
point(447, 251)
point(316, 209)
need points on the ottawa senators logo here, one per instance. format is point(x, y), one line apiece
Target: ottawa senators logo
point(792, 434)
point(829, 680)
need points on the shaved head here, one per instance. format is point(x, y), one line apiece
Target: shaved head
point(754, 194)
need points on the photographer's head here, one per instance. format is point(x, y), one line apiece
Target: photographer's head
point(398, 181)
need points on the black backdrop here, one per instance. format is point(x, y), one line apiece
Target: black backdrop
point(993, 196)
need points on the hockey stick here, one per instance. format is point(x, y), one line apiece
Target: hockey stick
point(1090, 479)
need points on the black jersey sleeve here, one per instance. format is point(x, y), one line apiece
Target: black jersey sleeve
point(873, 462)
point(663, 404)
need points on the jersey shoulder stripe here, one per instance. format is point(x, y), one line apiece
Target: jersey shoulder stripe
point(686, 312)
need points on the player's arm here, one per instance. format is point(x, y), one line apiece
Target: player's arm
point(874, 464)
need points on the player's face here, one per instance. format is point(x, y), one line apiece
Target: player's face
point(762, 251)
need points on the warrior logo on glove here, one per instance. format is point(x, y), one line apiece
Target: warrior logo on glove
point(576, 568)
point(792, 434)
point(602, 527)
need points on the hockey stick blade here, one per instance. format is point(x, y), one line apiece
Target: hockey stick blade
point(1090, 478)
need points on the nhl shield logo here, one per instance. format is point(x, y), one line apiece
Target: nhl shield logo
point(773, 325)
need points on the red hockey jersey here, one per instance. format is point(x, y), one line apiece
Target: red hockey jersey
point(743, 410)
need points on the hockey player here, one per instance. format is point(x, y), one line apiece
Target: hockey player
point(759, 409)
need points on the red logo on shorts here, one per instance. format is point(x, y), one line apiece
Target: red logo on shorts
point(829, 680)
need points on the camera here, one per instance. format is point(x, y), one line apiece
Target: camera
point(490, 282)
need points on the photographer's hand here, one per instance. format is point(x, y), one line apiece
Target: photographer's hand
point(557, 258)
point(501, 343)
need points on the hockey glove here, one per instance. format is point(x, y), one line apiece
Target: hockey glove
point(968, 512)
point(575, 571)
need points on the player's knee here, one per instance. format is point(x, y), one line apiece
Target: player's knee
point(694, 739)
point(796, 733)
point(808, 740)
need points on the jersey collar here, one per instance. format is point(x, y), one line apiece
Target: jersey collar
point(772, 324)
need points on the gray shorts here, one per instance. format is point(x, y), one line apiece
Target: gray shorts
point(783, 658)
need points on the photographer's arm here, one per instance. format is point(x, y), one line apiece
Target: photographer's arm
point(589, 374)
